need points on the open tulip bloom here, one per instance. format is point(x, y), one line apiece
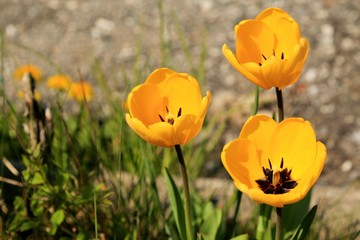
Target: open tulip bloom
point(275, 163)
point(269, 49)
point(167, 109)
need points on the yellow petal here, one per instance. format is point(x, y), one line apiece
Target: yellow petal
point(145, 102)
point(258, 129)
point(272, 71)
point(159, 75)
point(293, 140)
point(254, 39)
point(239, 158)
point(271, 16)
point(297, 59)
point(166, 132)
point(276, 200)
point(250, 70)
point(144, 132)
point(182, 92)
point(287, 34)
point(187, 127)
point(205, 102)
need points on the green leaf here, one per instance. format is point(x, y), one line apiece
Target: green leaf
point(304, 227)
point(176, 204)
point(263, 230)
point(294, 213)
point(241, 237)
point(37, 179)
point(57, 217)
point(212, 220)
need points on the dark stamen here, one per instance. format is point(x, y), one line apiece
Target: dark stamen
point(260, 64)
point(274, 52)
point(270, 164)
point(282, 55)
point(283, 185)
point(179, 113)
point(161, 118)
point(263, 56)
point(167, 110)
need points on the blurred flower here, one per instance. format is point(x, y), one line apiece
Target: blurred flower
point(37, 95)
point(275, 163)
point(168, 108)
point(32, 69)
point(269, 49)
point(80, 90)
point(59, 81)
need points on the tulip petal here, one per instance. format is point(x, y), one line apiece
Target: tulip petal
point(294, 141)
point(271, 17)
point(250, 70)
point(205, 102)
point(239, 159)
point(183, 92)
point(272, 72)
point(159, 75)
point(297, 60)
point(166, 132)
point(287, 34)
point(258, 129)
point(254, 40)
point(187, 127)
point(144, 103)
point(144, 132)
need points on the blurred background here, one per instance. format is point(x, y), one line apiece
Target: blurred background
point(127, 35)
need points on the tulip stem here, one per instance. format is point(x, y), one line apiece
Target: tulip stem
point(280, 104)
point(186, 192)
point(279, 224)
point(256, 101)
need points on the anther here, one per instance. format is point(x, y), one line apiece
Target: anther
point(282, 55)
point(260, 64)
point(179, 113)
point(263, 56)
point(270, 164)
point(167, 110)
point(161, 118)
point(282, 163)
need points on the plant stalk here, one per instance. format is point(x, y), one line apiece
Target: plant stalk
point(280, 104)
point(186, 192)
point(278, 235)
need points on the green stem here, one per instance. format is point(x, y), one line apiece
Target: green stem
point(279, 224)
point(236, 212)
point(186, 192)
point(256, 101)
point(280, 104)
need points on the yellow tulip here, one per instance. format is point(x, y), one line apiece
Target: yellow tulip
point(81, 90)
point(32, 69)
point(269, 49)
point(275, 163)
point(59, 81)
point(167, 109)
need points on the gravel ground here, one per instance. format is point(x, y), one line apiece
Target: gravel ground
point(123, 33)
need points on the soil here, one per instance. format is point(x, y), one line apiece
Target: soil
point(124, 36)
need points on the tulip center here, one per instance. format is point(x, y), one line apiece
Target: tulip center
point(277, 180)
point(169, 117)
point(271, 57)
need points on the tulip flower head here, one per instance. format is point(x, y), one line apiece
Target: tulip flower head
point(275, 163)
point(270, 51)
point(167, 109)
